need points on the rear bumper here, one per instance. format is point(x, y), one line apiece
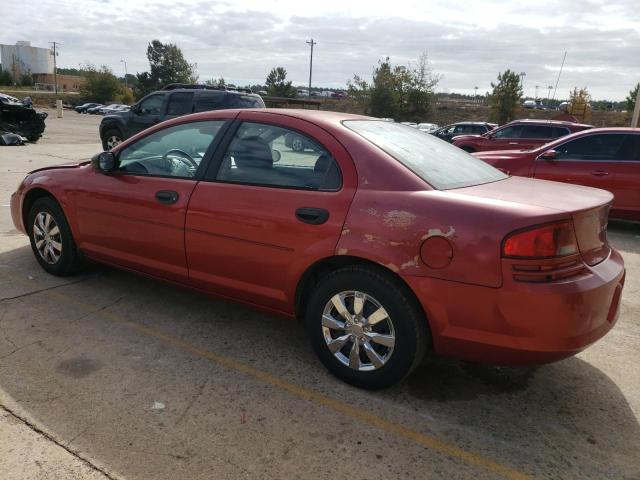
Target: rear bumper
point(522, 323)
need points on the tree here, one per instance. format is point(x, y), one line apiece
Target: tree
point(631, 99)
point(399, 92)
point(505, 97)
point(26, 80)
point(579, 105)
point(167, 65)
point(277, 85)
point(5, 77)
point(215, 82)
point(101, 84)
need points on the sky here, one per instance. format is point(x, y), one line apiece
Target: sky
point(467, 42)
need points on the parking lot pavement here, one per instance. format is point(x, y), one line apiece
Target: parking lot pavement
point(144, 380)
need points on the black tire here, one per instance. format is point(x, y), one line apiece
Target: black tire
point(408, 321)
point(69, 260)
point(109, 134)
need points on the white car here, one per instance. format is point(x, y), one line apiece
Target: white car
point(428, 127)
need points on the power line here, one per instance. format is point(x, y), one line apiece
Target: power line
point(311, 43)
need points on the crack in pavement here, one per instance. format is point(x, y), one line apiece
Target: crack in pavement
point(61, 445)
point(28, 294)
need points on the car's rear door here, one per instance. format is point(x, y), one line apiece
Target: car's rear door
point(254, 225)
point(627, 179)
point(590, 160)
point(135, 216)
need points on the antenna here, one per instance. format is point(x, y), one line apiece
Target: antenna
point(559, 73)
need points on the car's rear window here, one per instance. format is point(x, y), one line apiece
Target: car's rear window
point(437, 162)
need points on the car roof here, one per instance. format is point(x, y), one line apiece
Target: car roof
point(533, 121)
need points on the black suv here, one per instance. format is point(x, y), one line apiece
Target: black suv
point(463, 128)
point(172, 101)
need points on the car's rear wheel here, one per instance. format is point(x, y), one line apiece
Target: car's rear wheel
point(365, 327)
point(111, 139)
point(51, 239)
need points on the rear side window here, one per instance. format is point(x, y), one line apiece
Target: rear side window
point(592, 148)
point(268, 155)
point(514, 131)
point(244, 101)
point(479, 129)
point(537, 131)
point(559, 132)
point(438, 163)
point(630, 150)
point(180, 103)
point(213, 100)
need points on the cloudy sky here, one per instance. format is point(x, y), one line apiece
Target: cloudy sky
point(467, 42)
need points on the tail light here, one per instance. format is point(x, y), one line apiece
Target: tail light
point(546, 241)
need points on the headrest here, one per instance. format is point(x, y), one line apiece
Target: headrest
point(252, 152)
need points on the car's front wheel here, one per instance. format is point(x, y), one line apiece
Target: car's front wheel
point(365, 327)
point(111, 138)
point(51, 239)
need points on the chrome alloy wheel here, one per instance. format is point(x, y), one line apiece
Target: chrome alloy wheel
point(358, 330)
point(113, 141)
point(46, 235)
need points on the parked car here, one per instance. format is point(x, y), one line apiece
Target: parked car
point(529, 104)
point(83, 108)
point(94, 110)
point(519, 134)
point(428, 127)
point(173, 101)
point(410, 124)
point(114, 109)
point(373, 244)
point(20, 118)
point(463, 128)
point(607, 158)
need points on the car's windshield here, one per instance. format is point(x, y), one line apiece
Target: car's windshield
point(440, 164)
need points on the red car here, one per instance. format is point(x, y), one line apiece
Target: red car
point(519, 134)
point(387, 241)
point(607, 158)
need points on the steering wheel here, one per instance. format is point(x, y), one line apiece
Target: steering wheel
point(182, 155)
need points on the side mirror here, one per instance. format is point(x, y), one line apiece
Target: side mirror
point(549, 155)
point(104, 162)
point(276, 156)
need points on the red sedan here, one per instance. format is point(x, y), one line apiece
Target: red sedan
point(388, 242)
point(607, 158)
point(521, 134)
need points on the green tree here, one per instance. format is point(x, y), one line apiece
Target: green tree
point(101, 84)
point(505, 97)
point(166, 65)
point(385, 95)
point(26, 80)
point(215, 82)
point(631, 99)
point(277, 85)
point(5, 77)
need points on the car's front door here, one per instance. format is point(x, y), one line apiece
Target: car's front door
point(590, 160)
point(627, 179)
point(147, 113)
point(135, 216)
point(265, 212)
point(506, 138)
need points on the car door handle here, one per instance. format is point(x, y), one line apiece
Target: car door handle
point(514, 143)
point(599, 173)
point(313, 216)
point(167, 197)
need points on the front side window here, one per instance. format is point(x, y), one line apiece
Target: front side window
point(438, 163)
point(509, 132)
point(180, 103)
point(173, 152)
point(591, 148)
point(268, 155)
point(152, 105)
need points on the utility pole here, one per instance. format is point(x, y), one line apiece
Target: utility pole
point(537, 86)
point(125, 73)
point(475, 98)
point(522, 75)
point(55, 68)
point(311, 43)
point(550, 87)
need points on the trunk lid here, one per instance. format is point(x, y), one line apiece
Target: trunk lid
point(587, 207)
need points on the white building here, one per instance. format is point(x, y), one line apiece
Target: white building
point(22, 58)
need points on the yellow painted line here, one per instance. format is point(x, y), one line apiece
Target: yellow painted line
point(427, 441)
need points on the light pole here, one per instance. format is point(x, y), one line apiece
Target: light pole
point(522, 75)
point(475, 98)
point(550, 87)
point(125, 73)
